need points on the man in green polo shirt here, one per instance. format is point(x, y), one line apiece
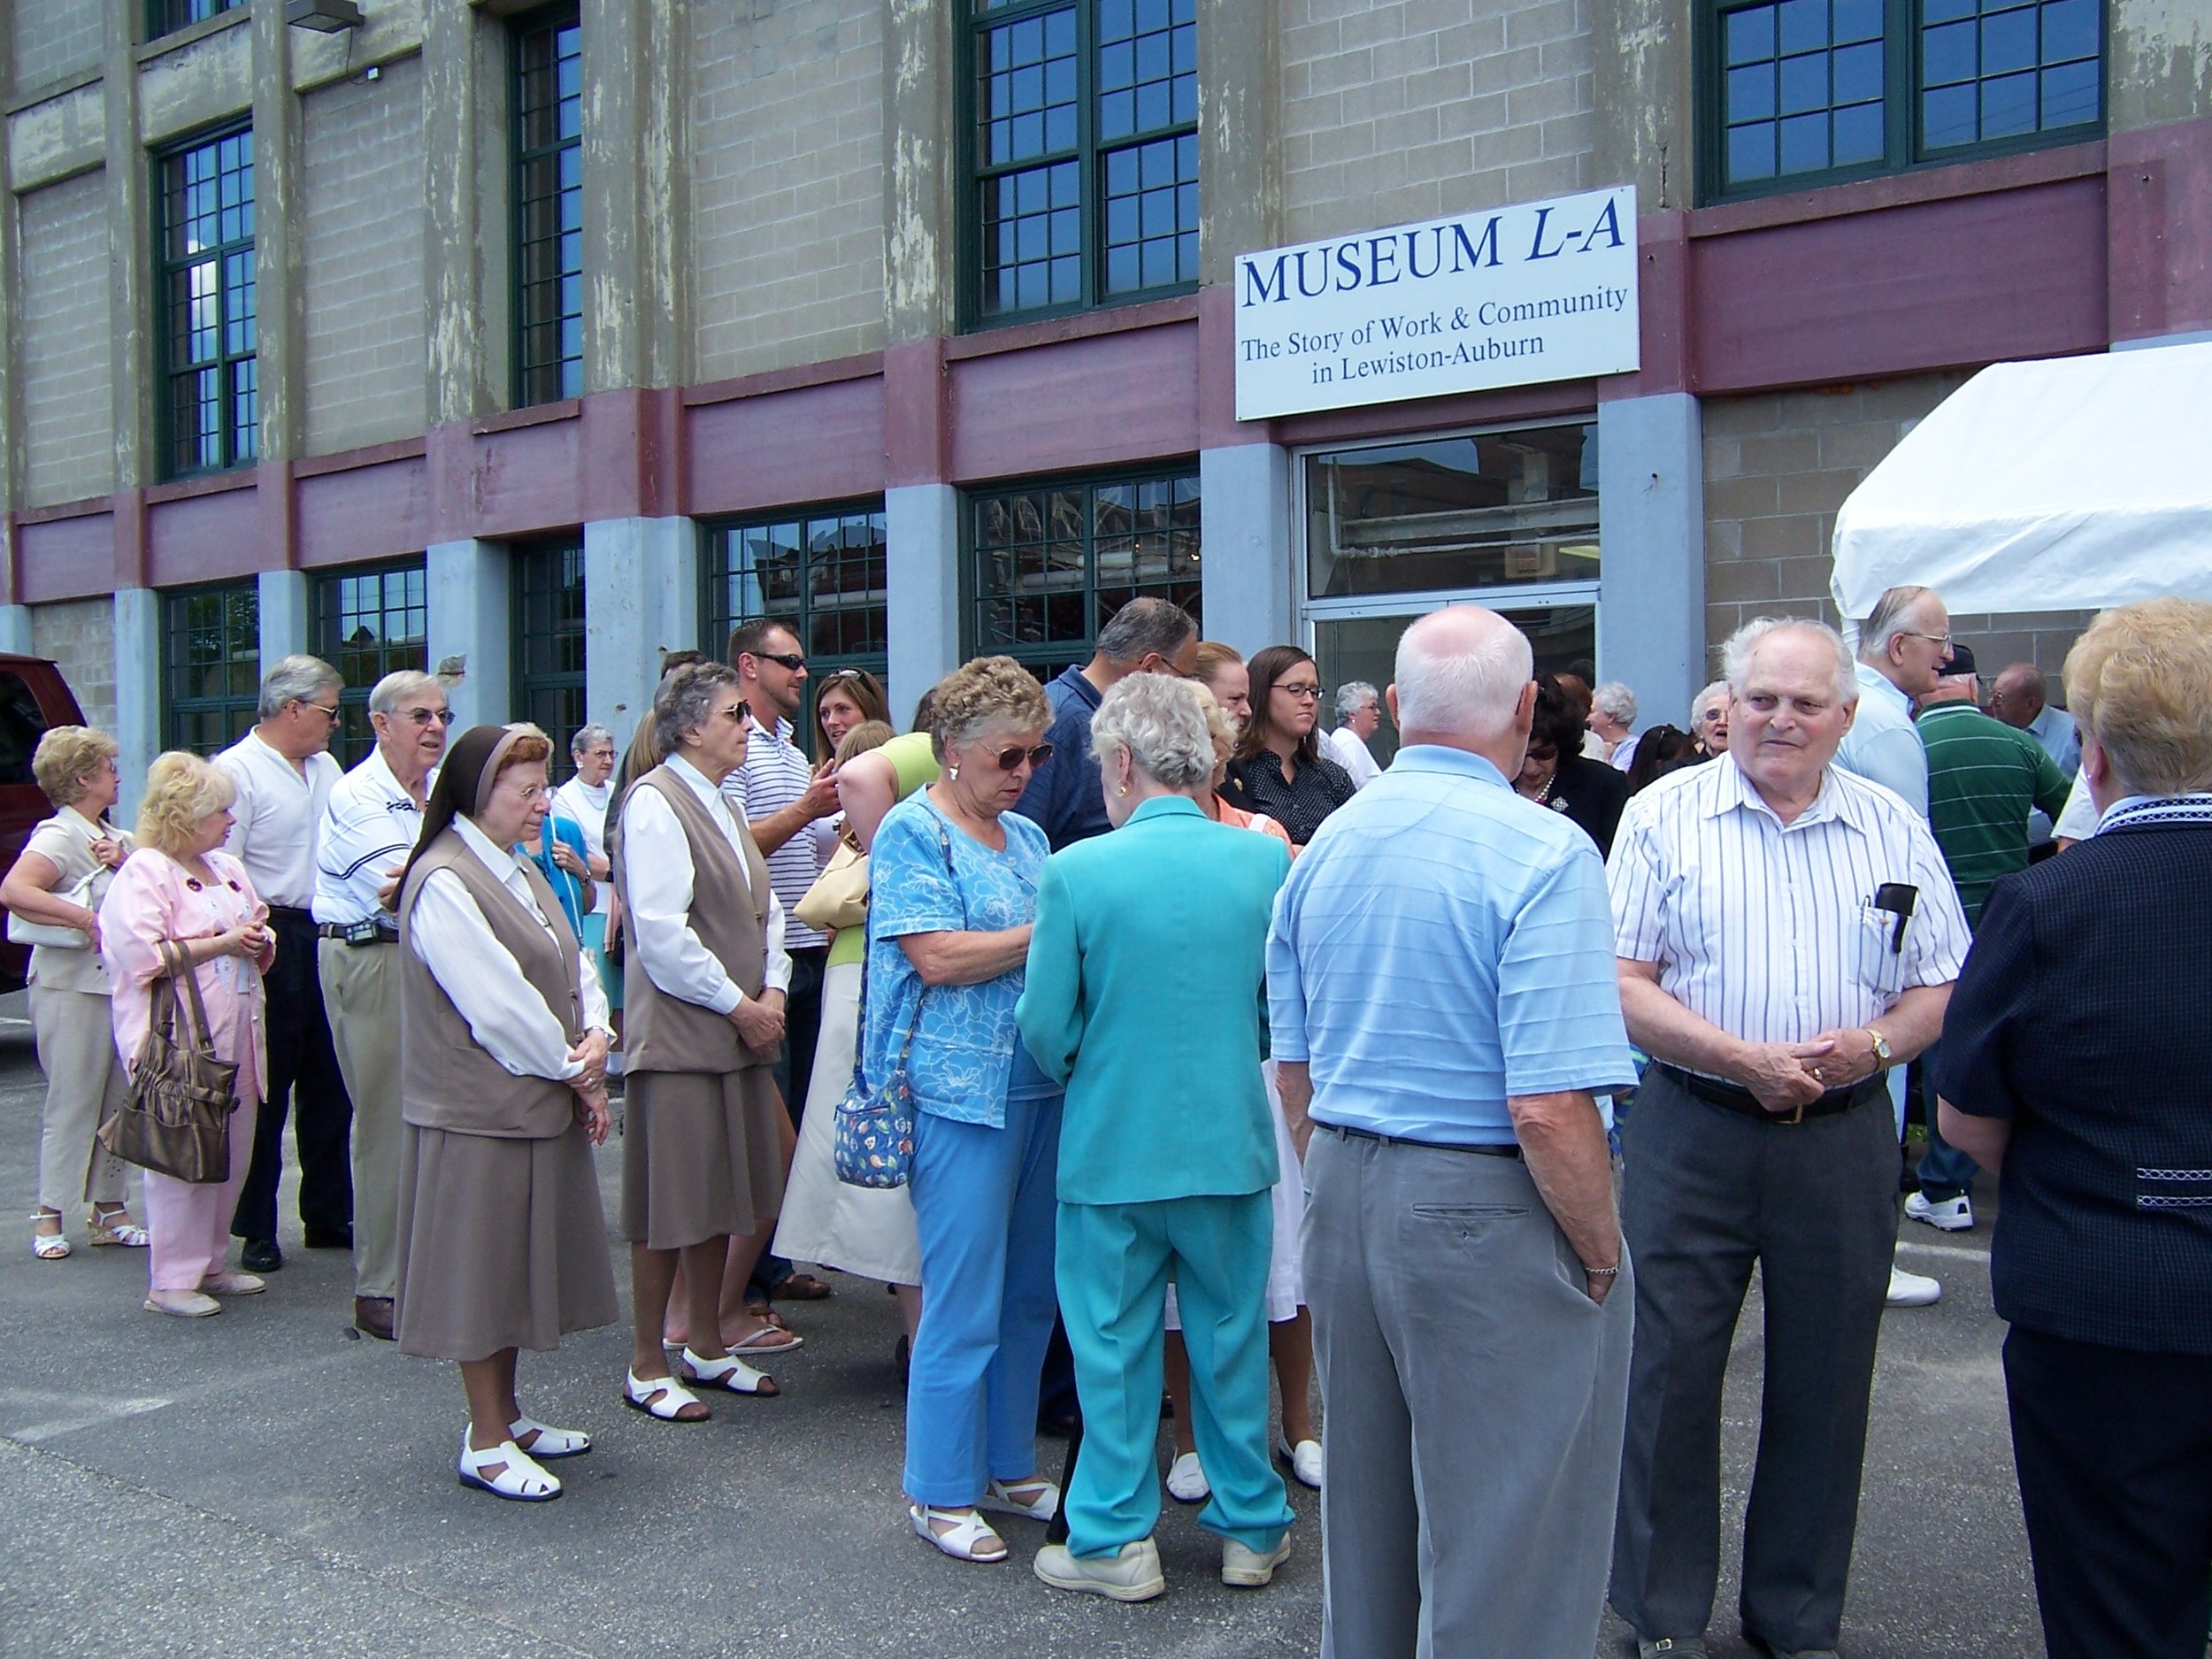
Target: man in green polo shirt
point(1984, 779)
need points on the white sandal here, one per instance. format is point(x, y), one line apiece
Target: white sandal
point(551, 1442)
point(49, 1247)
point(999, 1496)
point(661, 1397)
point(971, 1539)
point(1187, 1481)
point(518, 1479)
point(105, 1229)
point(729, 1373)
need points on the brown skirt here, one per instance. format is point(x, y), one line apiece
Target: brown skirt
point(501, 1243)
point(702, 1155)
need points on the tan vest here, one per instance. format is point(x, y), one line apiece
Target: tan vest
point(447, 1081)
point(729, 913)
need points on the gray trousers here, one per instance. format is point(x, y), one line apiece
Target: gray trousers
point(360, 987)
point(75, 1032)
point(1707, 1192)
point(1474, 1397)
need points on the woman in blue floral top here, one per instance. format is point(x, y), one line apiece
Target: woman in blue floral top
point(953, 887)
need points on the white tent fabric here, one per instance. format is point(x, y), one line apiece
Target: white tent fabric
point(2070, 484)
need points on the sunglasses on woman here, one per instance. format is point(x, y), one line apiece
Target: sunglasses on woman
point(1007, 759)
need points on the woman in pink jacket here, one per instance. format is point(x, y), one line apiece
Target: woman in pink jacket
point(178, 887)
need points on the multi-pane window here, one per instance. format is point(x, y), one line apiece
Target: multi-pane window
point(167, 17)
point(549, 638)
point(1085, 144)
point(823, 571)
point(368, 624)
point(548, 98)
point(1803, 91)
point(211, 404)
point(211, 665)
point(1050, 563)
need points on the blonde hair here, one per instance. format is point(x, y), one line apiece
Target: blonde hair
point(867, 735)
point(181, 790)
point(65, 755)
point(2139, 680)
point(1217, 725)
point(977, 693)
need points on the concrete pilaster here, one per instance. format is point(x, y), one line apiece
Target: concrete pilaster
point(2157, 67)
point(1240, 127)
point(471, 595)
point(1645, 101)
point(641, 593)
point(12, 418)
point(286, 624)
point(920, 174)
point(1651, 525)
point(922, 531)
point(279, 317)
point(138, 734)
point(465, 250)
point(1244, 527)
point(637, 195)
point(130, 258)
point(15, 630)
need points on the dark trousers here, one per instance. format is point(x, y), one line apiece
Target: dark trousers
point(1945, 1172)
point(1707, 1193)
point(302, 1076)
point(794, 1075)
point(2114, 1450)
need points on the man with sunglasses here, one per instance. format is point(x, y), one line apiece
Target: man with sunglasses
point(370, 826)
point(285, 775)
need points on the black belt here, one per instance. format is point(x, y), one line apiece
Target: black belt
point(291, 913)
point(1506, 1150)
point(356, 934)
point(1716, 1092)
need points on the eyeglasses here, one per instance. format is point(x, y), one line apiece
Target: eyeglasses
point(422, 717)
point(1007, 759)
point(791, 660)
point(1304, 691)
point(739, 712)
point(1543, 752)
point(1944, 640)
point(330, 711)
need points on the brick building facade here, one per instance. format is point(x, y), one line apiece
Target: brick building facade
point(553, 339)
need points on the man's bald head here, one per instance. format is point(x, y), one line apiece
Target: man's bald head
point(1465, 679)
point(2019, 695)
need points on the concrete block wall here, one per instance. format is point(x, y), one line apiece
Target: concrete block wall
point(787, 221)
point(362, 264)
point(55, 38)
point(1778, 466)
point(80, 635)
point(68, 426)
point(1406, 109)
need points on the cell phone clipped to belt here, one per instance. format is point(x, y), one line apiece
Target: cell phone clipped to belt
point(364, 933)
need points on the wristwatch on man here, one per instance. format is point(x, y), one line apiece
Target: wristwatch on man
point(1881, 1049)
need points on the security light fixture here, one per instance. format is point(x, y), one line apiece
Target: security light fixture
point(325, 17)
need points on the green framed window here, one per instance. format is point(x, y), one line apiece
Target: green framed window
point(548, 140)
point(824, 570)
point(207, 339)
point(1081, 132)
point(1807, 92)
point(1048, 563)
point(549, 638)
point(370, 622)
point(167, 17)
point(210, 670)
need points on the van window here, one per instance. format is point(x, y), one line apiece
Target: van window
point(21, 725)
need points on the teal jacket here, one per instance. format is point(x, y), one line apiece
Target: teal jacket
point(1142, 997)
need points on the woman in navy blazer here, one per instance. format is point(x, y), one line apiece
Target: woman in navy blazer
point(1142, 997)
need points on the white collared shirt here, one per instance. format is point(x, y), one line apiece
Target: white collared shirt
point(774, 775)
point(1883, 745)
point(657, 865)
point(369, 827)
point(279, 812)
point(506, 1013)
point(1768, 930)
point(1344, 746)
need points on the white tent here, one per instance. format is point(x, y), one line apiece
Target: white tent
point(2070, 484)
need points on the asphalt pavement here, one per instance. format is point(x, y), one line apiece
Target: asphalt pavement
point(266, 1481)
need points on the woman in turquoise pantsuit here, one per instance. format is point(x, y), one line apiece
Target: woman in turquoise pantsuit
point(1142, 997)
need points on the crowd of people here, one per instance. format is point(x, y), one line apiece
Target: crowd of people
point(1477, 1085)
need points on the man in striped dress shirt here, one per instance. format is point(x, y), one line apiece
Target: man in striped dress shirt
point(1786, 932)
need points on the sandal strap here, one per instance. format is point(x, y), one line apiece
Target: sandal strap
point(968, 1532)
point(520, 1476)
point(673, 1397)
point(727, 1373)
point(551, 1442)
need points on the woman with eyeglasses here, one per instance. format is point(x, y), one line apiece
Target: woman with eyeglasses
point(953, 875)
point(843, 699)
point(1558, 774)
point(1279, 771)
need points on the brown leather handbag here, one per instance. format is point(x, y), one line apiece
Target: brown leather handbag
point(177, 1122)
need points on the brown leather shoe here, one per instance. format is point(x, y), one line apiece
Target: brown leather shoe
point(372, 1315)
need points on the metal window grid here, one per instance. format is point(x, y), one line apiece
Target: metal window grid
point(548, 210)
point(211, 665)
point(369, 623)
point(212, 411)
point(167, 17)
point(549, 638)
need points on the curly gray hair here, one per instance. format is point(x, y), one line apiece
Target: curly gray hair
point(1352, 696)
point(580, 745)
point(1161, 721)
point(294, 680)
point(685, 702)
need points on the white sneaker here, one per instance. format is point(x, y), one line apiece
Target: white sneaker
point(1187, 1481)
point(1910, 1290)
point(1951, 1214)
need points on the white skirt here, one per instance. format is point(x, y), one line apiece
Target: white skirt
point(862, 1230)
point(1286, 1289)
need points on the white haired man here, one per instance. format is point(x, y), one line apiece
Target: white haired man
point(1613, 718)
point(1470, 1299)
point(371, 825)
point(1358, 716)
point(285, 773)
point(1786, 933)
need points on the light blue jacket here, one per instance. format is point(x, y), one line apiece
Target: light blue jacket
point(1142, 996)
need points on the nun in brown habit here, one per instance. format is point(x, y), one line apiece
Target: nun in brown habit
point(705, 1140)
point(504, 1035)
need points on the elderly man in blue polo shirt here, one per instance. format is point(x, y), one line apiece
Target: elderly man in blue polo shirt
point(1444, 1013)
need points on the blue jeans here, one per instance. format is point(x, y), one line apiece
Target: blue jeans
point(984, 1209)
point(1945, 1172)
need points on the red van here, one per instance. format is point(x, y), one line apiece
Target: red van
point(32, 697)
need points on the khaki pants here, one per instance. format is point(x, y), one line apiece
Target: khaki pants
point(84, 1082)
point(361, 995)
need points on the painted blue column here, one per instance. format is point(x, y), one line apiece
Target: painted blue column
point(470, 593)
point(922, 536)
point(1244, 519)
point(1651, 525)
point(15, 630)
point(286, 624)
point(640, 600)
point(138, 732)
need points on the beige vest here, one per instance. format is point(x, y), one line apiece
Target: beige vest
point(447, 1081)
point(729, 912)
